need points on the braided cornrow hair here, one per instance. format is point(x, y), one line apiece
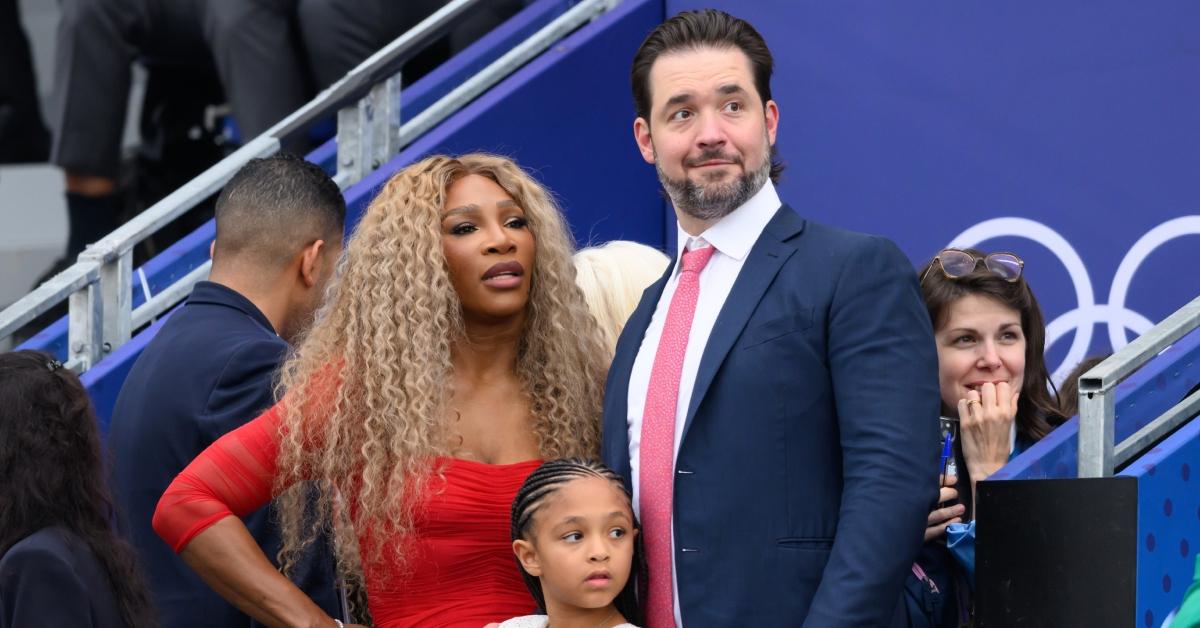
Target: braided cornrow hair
point(545, 481)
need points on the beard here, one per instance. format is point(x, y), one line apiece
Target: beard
point(714, 200)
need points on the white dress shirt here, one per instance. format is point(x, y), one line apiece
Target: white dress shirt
point(733, 236)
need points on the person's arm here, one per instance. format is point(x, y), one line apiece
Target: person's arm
point(883, 368)
point(227, 558)
point(197, 517)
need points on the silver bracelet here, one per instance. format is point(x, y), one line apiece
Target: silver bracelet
point(339, 623)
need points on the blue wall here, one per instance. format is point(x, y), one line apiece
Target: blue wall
point(922, 121)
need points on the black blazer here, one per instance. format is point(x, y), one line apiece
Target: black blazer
point(52, 578)
point(207, 371)
point(808, 461)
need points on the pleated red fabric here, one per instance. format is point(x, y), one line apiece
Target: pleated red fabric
point(461, 570)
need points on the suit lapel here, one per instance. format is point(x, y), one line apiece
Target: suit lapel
point(762, 264)
point(616, 405)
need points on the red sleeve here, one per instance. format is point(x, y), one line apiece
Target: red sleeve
point(233, 476)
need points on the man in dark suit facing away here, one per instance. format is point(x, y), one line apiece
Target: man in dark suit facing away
point(773, 401)
point(211, 367)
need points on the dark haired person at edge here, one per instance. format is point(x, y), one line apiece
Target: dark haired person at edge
point(576, 541)
point(453, 355)
point(209, 369)
point(990, 338)
point(60, 562)
point(770, 398)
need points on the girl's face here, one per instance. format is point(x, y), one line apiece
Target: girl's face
point(489, 249)
point(981, 341)
point(582, 546)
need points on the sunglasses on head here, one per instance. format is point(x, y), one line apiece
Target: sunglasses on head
point(956, 263)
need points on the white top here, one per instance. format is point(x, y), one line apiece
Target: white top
point(733, 236)
point(539, 621)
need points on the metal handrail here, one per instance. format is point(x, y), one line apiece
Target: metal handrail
point(1098, 454)
point(99, 284)
point(47, 295)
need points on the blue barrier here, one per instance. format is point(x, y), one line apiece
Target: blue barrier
point(1168, 522)
point(1168, 529)
point(1141, 398)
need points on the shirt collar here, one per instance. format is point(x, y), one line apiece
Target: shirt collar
point(735, 234)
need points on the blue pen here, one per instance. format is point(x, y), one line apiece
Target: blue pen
point(946, 452)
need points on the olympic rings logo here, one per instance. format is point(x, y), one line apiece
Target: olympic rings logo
point(1084, 318)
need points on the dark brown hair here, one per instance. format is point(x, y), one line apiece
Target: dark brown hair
point(1038, 407)
point(693, 30)
point(52, 474)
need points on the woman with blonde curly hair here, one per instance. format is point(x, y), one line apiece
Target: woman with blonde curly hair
point(453, 354)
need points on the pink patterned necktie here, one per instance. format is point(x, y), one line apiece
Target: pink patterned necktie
point(656, 454)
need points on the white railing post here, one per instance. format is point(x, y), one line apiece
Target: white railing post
point(1096, 442)
point(85, 330)
point(368, 132)
point(116, 294)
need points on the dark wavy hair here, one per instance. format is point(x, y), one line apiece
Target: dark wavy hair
point(542, 483)
point(1038, 408)
point(51, 471)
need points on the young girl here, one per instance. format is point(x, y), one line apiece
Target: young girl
point(576, 542)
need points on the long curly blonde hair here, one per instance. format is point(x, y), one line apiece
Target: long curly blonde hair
point(366, 394)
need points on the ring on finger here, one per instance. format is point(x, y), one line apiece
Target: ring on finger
point(971, 401)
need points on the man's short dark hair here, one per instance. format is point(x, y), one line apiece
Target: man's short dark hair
point(693, 30)
point(275, 206)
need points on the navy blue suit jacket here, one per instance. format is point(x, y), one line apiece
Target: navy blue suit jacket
point(209, 370)
point(52, 578)
point(808, 462)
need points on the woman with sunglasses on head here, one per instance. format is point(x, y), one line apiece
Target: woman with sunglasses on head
point(995, 386)
point(454, 353)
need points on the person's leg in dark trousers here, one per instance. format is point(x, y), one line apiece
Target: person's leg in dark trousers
point(339, 34)
point(482, 21)
point(91, 93)
point(259, 60)
point(23, 135)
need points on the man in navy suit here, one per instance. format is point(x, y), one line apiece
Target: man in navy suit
point(773, 401)
point(210, 368)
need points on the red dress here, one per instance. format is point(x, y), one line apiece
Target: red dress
point(461, 570)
